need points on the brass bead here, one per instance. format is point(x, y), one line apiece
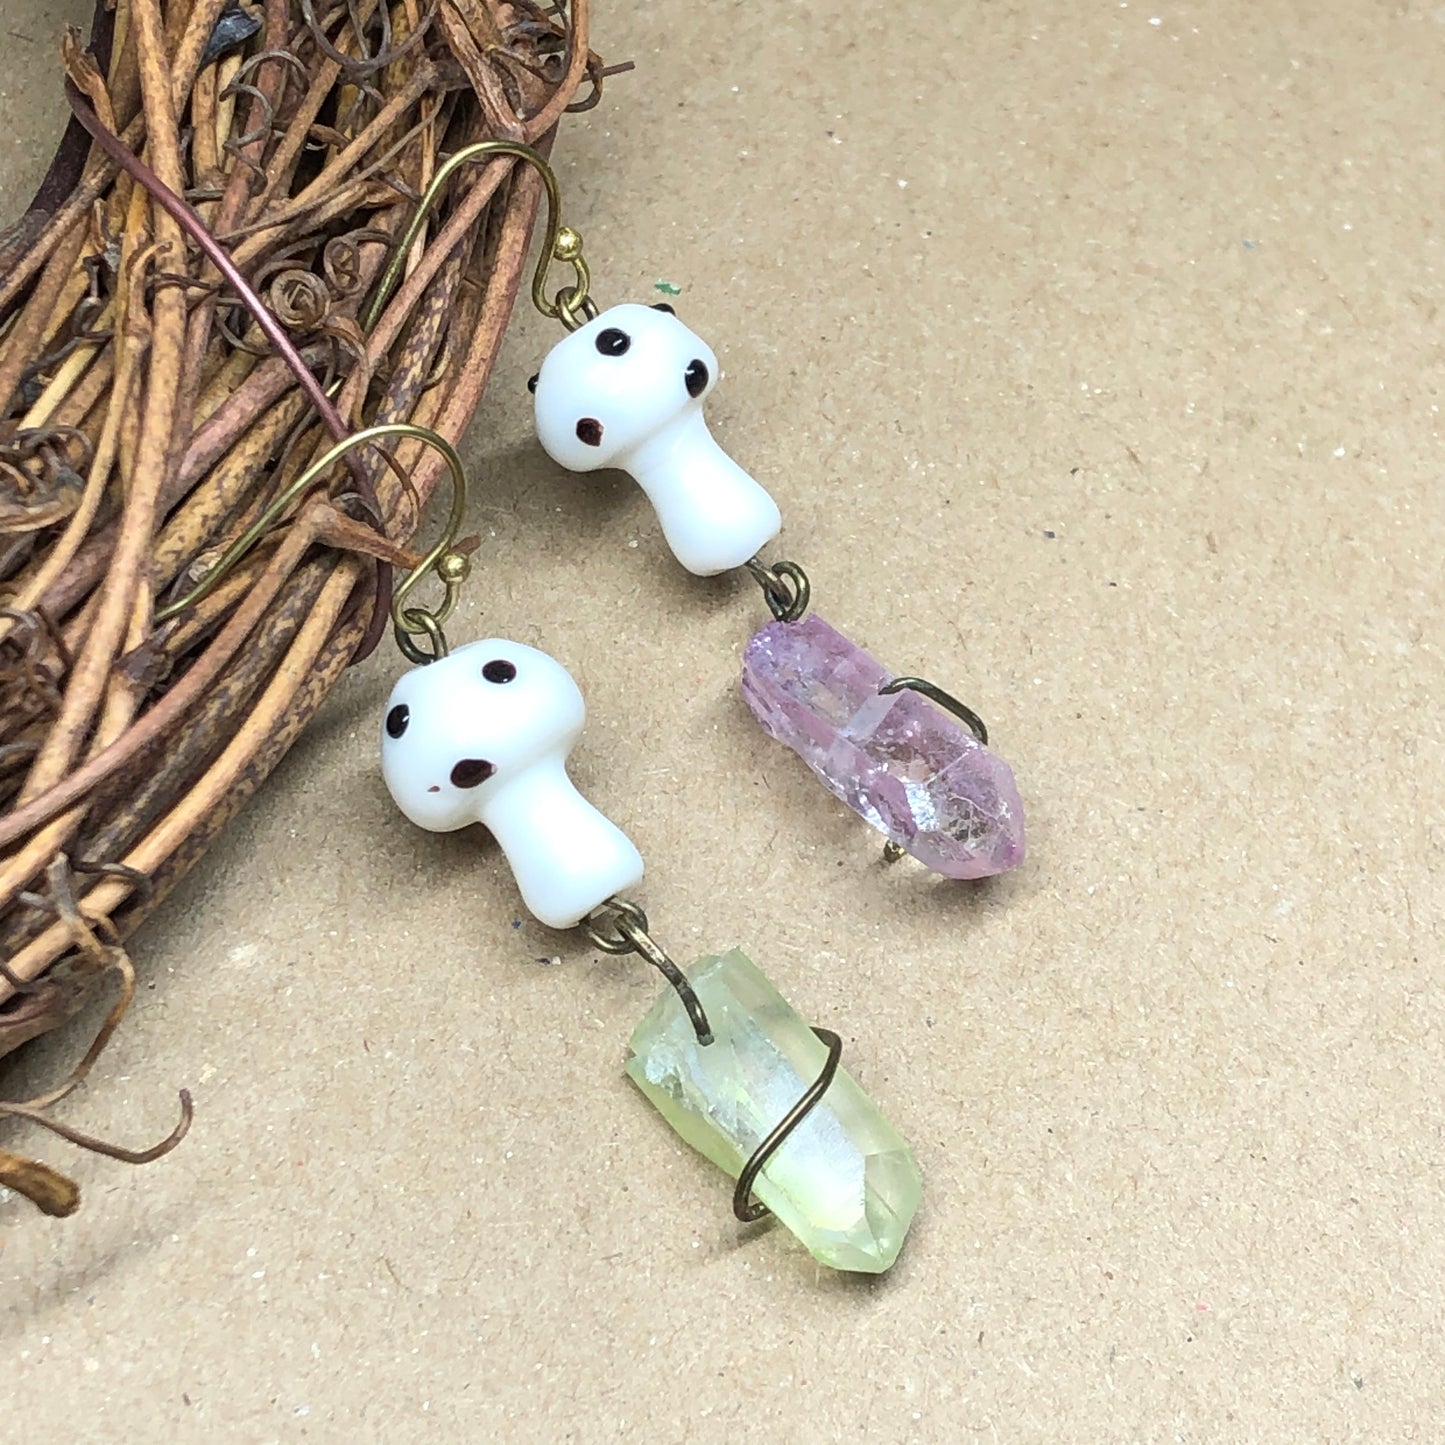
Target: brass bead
point(454, 567)
point(568, 245)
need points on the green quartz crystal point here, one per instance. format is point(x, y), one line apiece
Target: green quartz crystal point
point(844, 1181)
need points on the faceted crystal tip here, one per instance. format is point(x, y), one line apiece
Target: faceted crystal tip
point(844, 1181)
point(902, 763)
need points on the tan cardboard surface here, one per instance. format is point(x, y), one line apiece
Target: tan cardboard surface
point(1093, 352)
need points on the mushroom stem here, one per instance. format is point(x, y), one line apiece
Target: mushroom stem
point(713, 514)
point(566, 856)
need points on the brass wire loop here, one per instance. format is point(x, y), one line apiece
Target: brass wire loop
point(785, 587)
point(632, 936)
point(571, 305)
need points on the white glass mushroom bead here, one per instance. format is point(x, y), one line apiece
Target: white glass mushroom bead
point(626, 390)
point(482, 736)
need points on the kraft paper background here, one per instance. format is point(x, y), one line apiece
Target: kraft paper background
point(1094, 354)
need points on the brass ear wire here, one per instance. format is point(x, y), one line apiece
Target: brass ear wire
point(450, 565)
point(571, 305)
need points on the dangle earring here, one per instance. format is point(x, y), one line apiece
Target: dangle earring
point(482, 735)
point(626, 390)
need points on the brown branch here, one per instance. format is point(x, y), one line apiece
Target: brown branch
point(100, 1146)
point(168, 381)
point(49, 1191)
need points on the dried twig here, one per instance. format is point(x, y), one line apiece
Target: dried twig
point(159, 387)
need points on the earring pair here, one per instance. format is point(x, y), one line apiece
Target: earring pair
point(484, 733)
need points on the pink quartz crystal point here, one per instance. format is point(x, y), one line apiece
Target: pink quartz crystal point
point(908, 767)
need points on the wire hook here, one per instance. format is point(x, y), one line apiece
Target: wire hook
point(945, 700)
point(571, 305)
point(785, 585)
point(451, 566)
